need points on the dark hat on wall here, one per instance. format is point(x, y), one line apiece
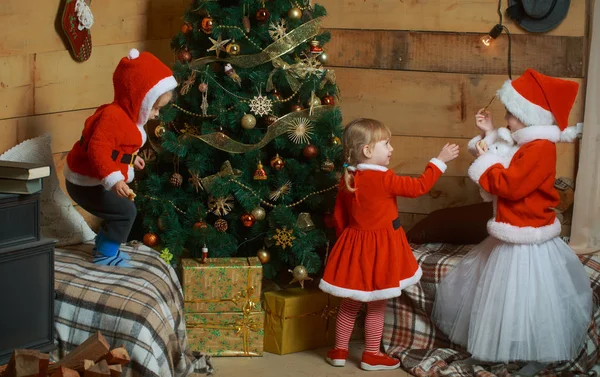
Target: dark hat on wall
point(538, 16)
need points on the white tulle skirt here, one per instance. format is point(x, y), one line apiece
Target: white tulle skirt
point(514, 302)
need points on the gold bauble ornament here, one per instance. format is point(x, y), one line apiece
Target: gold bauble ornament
point(259, 213)
point(263, 255)
point(233, 48)
point(248, 121)
point(327, 166)
point(160, 130)
point(335, 140)
point(295, 13)
point(314, 101)
point(300, 275)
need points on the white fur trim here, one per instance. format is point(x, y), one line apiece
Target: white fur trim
point(439, 164)
point(531, 133)
point(143, 134)
point(489, 138)
point(527, 112)
point(526, 235)
point(486, 196)
point(505, 135)
point(110, 180)
point(370, 167)
point(79, 179)
point(130, 174)
point(163, 86)
point(366, 296)
point(483, 163)
point(133, 54)
point(569, 134)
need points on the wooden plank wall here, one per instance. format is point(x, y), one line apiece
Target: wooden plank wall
point(42, 89)
point(418, 66)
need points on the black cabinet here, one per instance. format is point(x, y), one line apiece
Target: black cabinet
point(26, 278)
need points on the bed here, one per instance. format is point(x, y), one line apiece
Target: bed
point(410, 335)
point(139, 307)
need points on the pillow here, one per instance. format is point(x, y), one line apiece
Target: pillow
point(59, 219)
point(465, 225)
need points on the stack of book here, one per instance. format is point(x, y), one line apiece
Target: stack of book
point(22, 177)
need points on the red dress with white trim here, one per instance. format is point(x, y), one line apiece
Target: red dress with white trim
point(372, 259)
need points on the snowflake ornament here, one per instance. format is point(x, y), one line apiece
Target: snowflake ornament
point(284, 237)
point(300, 130)
point(221, 206)
point(260, 105)
point(277, 30)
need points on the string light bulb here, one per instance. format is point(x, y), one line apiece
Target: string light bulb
point(493, 34)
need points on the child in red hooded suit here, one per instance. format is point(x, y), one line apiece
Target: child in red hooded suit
point(522, 294)
point(102, 162)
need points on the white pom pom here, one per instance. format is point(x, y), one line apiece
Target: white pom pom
point(569, 134)
point(505, 135)
point(133, 53)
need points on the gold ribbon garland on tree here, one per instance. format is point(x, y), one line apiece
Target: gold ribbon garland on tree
point(276, 49)
point(223, 142)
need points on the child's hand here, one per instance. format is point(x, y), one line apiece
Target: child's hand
point(121, 189)
point(448, 153)
point(482, 148)
point(483, 120)
point(139, 163)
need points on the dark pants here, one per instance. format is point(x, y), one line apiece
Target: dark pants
point(118, 213)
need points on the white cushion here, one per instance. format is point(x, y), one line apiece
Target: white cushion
point(59, 219)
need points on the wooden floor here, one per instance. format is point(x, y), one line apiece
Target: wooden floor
point(302, 364)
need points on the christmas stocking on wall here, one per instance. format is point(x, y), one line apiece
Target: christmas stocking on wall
point(77, 19)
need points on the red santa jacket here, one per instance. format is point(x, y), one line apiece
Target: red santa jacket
point(105, 153)
point(525, 189)
point(376, 201)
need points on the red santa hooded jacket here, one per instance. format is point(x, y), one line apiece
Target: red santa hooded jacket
point(115, 132)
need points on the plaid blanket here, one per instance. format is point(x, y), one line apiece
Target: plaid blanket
point(140, 307)
point(411, 336)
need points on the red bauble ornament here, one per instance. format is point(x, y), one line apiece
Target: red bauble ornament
point(200, 225)
point(248, 219)
point(150, 239)
point(207, 25)
point(327, 100)
point(276, 95)
point(186, 28)
point(262, 15)
point(184, 56)
point(310, 151)
point(328, 220)
point(269, 119)
point(296, 107)
point(277, 162)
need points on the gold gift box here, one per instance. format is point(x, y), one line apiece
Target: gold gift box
point(299, 319)
point(226, 334)
point(222, 305)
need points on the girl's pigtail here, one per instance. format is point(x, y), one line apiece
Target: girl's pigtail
point(348, 177)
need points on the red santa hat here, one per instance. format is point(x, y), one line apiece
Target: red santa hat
point(139, 79)
point(539, 100)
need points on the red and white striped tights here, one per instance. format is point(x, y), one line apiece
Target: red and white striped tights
point(373, 324)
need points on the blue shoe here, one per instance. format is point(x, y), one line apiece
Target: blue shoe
point(101, 239)
point(108, 253)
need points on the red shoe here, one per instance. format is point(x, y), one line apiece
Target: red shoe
point(373, 361)
point(337, 357)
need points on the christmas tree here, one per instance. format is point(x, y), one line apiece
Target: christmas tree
point(247, 160)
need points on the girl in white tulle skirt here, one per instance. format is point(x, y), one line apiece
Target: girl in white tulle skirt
point(522, 294)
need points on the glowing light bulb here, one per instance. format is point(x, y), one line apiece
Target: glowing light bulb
point(487, 40)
